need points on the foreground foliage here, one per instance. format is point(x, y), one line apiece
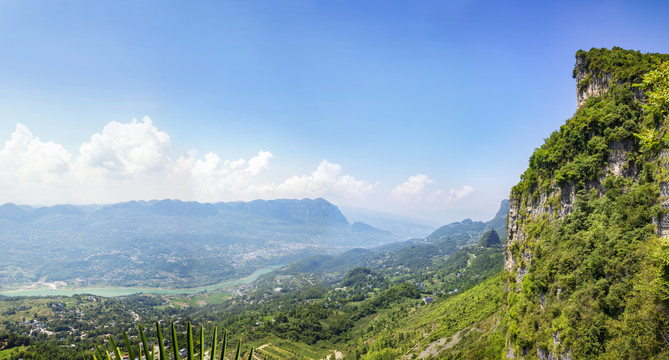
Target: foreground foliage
point(189, 350)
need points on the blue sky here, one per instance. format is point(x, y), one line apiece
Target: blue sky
point(421, 108)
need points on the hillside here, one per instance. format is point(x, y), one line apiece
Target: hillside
point(169, 242)
point(586, 258)
point(467, 232)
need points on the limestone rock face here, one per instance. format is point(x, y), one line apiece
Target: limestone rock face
point(558, 202)
point(589, 84)
point(522, 209)
point(662, 224)
point(542, 199)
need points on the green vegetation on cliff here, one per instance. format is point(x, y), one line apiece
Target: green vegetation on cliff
point(577, 153)
point(597, 282)
point(593, 281)
point(623, 65)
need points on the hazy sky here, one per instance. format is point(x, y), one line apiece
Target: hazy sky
point(412, 107)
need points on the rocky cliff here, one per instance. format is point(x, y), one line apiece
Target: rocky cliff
point(595, 71)
point(589, 84)
point(583, 219)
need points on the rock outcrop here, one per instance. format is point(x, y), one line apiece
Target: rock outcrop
point(593, 81)
point(547, 200)
point(589, 84)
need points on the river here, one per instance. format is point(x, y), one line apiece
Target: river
point(121, 291)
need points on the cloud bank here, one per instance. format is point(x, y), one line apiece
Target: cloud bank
point(135, 161)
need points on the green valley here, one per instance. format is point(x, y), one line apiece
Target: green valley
point(285, 314)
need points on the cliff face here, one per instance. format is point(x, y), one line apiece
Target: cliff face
point(598, 69)
point(594, 78)
point(583, 219)
point(589, 84)
point(558, 202)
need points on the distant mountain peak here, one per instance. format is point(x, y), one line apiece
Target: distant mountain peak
point(503, 208)
point(470, 231)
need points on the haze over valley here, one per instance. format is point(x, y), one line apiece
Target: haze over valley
point(170, 243)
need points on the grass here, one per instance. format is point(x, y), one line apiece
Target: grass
point(475, 309)
point(282, 349)
point(6, 354)
point(298, 349)
point(198, 300)
point(463, 310)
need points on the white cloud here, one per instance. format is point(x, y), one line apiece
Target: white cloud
point(26, 160)
point(134, 160)
point(325, 181)
point(413, 191)
point(461, 193)
point(216, 179)
point(124, 149)
point(452, 195)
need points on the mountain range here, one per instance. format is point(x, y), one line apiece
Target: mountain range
point(179, 243)
point(171, 243)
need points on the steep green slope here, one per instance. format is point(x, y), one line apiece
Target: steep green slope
point(437, 329)
point(586, 268)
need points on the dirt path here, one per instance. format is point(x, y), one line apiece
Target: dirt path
point(338, 355)
point(440, 345)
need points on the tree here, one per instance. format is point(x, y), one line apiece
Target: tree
point(657, 84)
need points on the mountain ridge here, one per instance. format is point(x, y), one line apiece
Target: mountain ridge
point(159, 234)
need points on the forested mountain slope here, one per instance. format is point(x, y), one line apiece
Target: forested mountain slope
point(586, 259)
point(411, 254)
